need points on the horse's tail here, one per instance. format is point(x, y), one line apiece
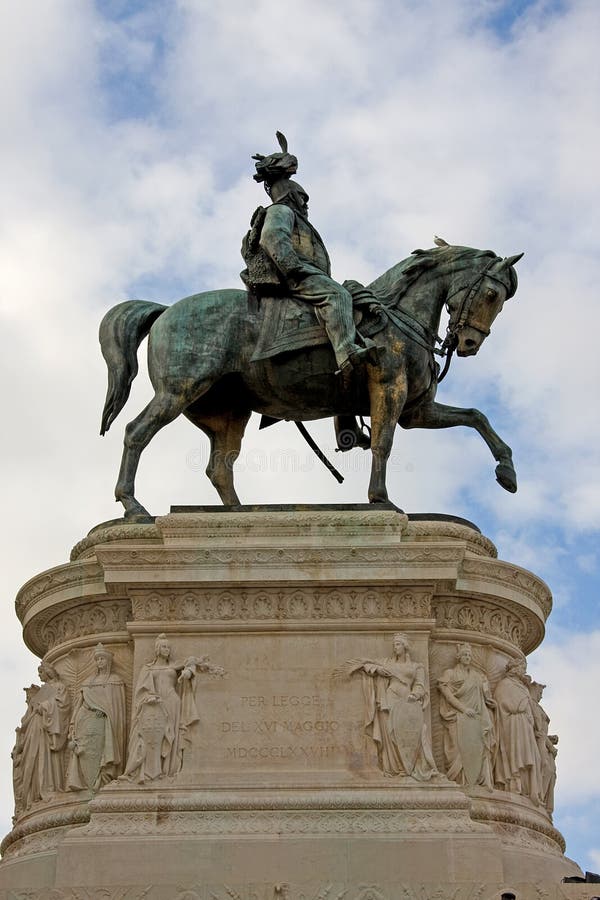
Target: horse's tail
point(122, 330)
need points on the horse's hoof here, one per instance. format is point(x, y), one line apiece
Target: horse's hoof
point(378, 498)
point(139, 519)
point(506, 477)
point(137, 513)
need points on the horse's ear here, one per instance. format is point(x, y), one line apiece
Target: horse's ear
point(511, 260)
point(440, 242)
point(282, 141)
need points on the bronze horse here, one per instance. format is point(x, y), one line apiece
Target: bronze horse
point(199, 361)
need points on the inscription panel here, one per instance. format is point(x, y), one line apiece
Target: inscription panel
point(278, 712)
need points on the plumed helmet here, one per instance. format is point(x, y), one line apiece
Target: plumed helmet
point(270, 169)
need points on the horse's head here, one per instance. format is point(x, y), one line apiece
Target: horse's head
point(476, 296)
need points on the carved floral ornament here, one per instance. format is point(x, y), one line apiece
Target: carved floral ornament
point(277, 604)
point(68, 622)
point(404, 554)
point(283, 891)
point(504, 620)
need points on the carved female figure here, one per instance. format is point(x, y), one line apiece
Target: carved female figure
point(43, 738)
point(465, 705)
point(164, 708)
point(97, 728)
point(546, 745)
point(517, 760)
point(396, 697)
point(17, 753)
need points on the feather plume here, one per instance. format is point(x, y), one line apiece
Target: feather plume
point(281, 138)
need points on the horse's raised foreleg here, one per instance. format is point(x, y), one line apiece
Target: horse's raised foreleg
point(225, 432)
point(161, 410)
point(386, 402)
point(437, 415)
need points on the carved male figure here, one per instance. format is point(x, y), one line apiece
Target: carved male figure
point(97, 728)
point(518, 764)
point(546, 745)
point(298, 254)
point(43, 737)
point(396, 697)
point(465, 708)
point(164, 709)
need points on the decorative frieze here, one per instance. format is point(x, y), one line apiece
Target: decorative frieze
point(499, 619)
point(274, 822)
point(418, 555)
point(249, 604)
point(68, 621)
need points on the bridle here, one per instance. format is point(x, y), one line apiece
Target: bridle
point(459, 317)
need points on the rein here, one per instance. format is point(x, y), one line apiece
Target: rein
point(417, 332)
point(459, 320)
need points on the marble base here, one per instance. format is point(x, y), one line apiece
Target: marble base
point(281, 793)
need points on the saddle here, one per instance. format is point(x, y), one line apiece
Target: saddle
point(286, 325)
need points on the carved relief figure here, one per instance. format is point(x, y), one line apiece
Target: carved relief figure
point(41, 740)
point(17, 753)
point(164, 708)
point(546, 745)
point(396, 697)
point(465, 709)
point(518, 759)
point(97, 728)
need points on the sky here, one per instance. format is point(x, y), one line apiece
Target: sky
point(128, 132)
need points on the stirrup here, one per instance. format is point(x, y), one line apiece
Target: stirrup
point(359, 356)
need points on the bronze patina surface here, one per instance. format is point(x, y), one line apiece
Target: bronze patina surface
point(211, 356)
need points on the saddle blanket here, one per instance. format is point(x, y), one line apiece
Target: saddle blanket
point(287, 325)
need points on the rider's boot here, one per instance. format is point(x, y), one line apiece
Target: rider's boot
point(338, 320)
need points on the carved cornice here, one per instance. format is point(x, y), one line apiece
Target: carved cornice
point(280, 605)
point(81, 576)
point(407, 796)
point(282, 523)
point(434, 530)
point(514, 818)
point(124, 532)
point(44, 822)
point(509, 575)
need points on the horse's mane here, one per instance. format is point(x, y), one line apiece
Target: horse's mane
point(393, 284)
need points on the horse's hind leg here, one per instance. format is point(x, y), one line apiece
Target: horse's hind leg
point(161, 410)
point(225, 432)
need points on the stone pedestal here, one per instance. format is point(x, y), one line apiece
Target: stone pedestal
point(261, 774)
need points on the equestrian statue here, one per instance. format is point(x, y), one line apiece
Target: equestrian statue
point(297, 345)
